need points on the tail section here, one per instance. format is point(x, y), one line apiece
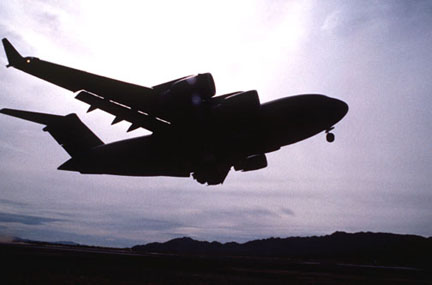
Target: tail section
point(75, 137)
point(12, 54)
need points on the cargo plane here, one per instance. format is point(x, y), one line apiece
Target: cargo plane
point(193, 131)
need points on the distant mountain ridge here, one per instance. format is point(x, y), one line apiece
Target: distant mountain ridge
point(340, 247)
point(69, 243)
point(367, 247)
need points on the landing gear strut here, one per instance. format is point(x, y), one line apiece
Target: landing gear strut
point(330, 137)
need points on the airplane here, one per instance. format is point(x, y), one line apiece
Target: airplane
point(193, 132)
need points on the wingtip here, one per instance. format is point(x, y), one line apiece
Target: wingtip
point(13, 56)
point(10, 112)
point(5, 41)
point(5, 111)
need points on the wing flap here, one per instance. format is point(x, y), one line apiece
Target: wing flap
point(123, 112)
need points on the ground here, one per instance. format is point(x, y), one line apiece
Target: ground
point(47, 264)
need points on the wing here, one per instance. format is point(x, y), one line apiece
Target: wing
point(124, 100)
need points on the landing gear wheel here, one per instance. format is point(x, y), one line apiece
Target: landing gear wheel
point(330, 137)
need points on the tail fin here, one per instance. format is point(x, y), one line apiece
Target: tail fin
point(75, 137)
point(12, 54)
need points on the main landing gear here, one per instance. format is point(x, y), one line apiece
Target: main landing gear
point(330, 137)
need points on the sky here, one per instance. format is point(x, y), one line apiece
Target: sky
point(374, 55)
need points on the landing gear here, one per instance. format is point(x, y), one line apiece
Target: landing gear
point(330, 137)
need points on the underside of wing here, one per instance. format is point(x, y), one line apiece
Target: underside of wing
point(138, 118)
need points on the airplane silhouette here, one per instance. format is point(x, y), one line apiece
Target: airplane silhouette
point(193, 131)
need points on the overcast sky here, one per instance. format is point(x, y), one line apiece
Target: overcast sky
point(374, 55)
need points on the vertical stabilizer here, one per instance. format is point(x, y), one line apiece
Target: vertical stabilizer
point(75, 137)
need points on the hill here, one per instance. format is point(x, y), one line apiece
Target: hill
point(362, 247)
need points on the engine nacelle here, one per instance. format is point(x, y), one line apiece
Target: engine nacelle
point(241, 104)
point(189, 91)
point(252, 162)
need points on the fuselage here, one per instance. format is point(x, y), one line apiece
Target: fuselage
point(293, 119)
point(279, 123)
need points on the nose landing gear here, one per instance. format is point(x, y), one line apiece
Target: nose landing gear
point(330, 137)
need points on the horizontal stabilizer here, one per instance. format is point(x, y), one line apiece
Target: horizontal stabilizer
point(40, 118)
point(75, 137)
point(12, 54)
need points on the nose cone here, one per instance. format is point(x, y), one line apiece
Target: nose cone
point(338, 108)
point(341, 108)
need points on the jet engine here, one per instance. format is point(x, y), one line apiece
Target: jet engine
point(190, 90)
point(252, 162)
point(238, 105)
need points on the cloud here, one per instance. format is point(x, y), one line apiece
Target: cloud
point(12, 203)
point(26, 219)
point(143, 224)
point(392, 20)
point(287, 211)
